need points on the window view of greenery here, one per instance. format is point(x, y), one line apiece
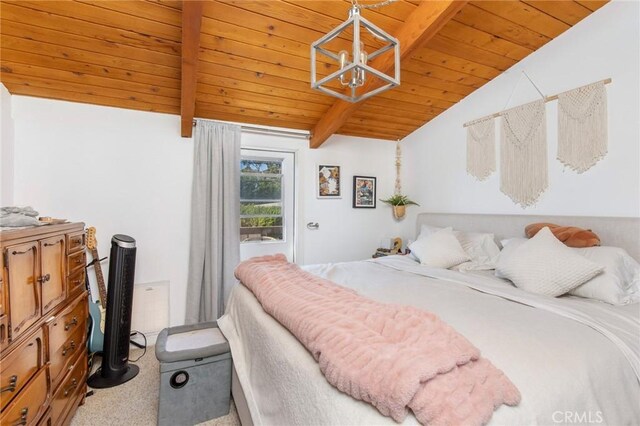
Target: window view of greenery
point(260, 200)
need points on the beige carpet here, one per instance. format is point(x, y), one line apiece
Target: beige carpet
point(134, 402)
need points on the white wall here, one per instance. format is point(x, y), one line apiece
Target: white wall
point(6, 148)
point(605, 44)
point(130, 172)
point(121, 171)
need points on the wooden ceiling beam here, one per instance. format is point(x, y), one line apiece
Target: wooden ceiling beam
point(423, 23)
point(191, 23)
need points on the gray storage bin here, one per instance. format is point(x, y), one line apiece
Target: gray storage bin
point(195, 374)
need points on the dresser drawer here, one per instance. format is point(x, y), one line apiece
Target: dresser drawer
point(75, 242)
point(29, 405)
point(76, 262)
point(20, 365)
point(68, 321)
point(77, 282)
point(62, 356)
point(67, 337)
point(72, 385)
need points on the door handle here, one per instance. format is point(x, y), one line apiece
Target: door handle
point(314, 226)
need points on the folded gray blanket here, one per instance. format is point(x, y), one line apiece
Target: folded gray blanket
point(13, 217)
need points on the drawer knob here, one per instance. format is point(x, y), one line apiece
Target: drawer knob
point(71, 323)
point(44, 278)
point(71, 347)
point(13, 380)
point(79, 261)
point(72, 386)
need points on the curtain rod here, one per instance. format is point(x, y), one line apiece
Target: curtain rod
point(262, 130)
point(546, 99)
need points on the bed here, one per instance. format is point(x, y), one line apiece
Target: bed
point(574, 360)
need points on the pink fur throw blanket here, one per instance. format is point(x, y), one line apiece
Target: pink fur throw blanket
point(394, 357)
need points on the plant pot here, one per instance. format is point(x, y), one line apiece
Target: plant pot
point(399, 211)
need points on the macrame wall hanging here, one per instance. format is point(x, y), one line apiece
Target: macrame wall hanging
point(582, 140)
point(398, 187)
point(481, 148)
point(582, 126)
point(523, 153)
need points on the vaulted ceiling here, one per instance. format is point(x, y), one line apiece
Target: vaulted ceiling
point(251, 61)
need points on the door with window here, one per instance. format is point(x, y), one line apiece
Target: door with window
point(267, 203)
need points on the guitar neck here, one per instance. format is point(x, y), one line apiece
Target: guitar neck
point(99, 277)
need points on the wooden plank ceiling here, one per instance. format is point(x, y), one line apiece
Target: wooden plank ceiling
point(253, 60)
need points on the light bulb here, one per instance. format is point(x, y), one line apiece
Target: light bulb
point(363, 53)
point(343, 56)
point(362, 73)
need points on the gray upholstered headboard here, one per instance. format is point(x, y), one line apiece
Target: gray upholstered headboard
point(613, 231)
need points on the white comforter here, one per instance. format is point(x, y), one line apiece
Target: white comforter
point(574, 360)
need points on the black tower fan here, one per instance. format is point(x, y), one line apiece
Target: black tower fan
point(115, 367)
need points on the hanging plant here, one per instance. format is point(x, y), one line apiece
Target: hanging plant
point(399, 203)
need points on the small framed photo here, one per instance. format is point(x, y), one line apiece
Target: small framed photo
point(328, 181)
point(364, 192)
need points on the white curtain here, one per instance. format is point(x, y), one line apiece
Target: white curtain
point(215, 220)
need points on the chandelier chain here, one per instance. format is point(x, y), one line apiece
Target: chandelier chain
point(372, 6)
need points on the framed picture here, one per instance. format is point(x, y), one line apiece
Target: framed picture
point(328, 181)
point(364, 192)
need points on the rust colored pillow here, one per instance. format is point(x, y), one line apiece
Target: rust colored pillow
point(571, 236)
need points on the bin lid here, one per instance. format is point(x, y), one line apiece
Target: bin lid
point(195, 339)
point(190, 342)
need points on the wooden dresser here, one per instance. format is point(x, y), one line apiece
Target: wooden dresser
point(43, 324)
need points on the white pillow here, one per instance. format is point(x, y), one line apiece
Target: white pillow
point(619, 284)
point(509, 246)
point(439, 250)
point(481, 248)
point(544, 265)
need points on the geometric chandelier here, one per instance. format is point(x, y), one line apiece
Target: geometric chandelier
point(353, 67)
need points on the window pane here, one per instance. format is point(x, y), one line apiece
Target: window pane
point(261, 229)
point(260, 222)
point(260, 166)
point(260, 188)
point(252, 208)
point(261, 207)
